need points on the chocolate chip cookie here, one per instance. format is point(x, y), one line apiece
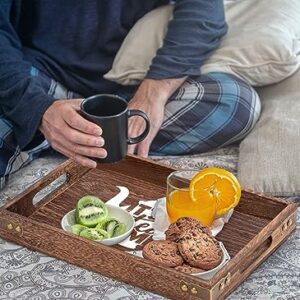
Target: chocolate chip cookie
point(163, 252)
point(180, 226)
point(185, 268)
point(199, 249)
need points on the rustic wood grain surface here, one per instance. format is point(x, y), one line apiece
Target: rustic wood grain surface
point(26, 274)
point(249, 236)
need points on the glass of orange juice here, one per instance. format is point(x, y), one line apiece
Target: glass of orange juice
point(180, 204)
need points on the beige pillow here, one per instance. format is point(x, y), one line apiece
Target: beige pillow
point(262, 45)
point(269, 155)
point(139, 47)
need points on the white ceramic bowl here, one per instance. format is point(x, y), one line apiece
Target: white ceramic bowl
point(113, 212)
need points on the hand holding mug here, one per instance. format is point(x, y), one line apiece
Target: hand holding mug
point(70, 134)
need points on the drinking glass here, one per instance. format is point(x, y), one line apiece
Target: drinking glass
point(181, 204)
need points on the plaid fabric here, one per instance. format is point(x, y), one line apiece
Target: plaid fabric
point(207, 112)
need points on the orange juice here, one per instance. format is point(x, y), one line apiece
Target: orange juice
point(179, 204)
point(202, 195)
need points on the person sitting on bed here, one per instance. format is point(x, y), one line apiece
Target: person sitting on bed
point(53, 53)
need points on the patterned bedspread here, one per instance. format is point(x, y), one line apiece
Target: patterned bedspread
point(26, 274)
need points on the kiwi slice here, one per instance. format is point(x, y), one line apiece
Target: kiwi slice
point(77, 228)
point(112, 226)
point(90, 210)
point(108, 225)
point(94, 234)
point(119, 229)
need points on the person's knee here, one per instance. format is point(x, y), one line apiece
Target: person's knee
point(249, 107)
point(241, 105)
point(211, 111)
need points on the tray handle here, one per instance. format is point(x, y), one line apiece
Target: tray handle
point(249, 263)
point(265, 248)
point(253, 259)
point(24, 203)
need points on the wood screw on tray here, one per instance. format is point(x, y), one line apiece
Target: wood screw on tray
point(184, 288)
point(194, 291)
point(227, 280)
point(287, 224)
point(284, 227)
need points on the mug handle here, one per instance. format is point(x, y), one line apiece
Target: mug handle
point(136, 140)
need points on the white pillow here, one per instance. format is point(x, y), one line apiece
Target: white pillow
point(262, 45)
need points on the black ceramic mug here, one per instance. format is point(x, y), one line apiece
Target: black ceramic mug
point(111, 113)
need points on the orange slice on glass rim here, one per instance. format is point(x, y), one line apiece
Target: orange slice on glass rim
point(215, 184)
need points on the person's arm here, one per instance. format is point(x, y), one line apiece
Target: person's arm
point(193, 34)
point(150, 98)
point(22, 99)
point(24, 102)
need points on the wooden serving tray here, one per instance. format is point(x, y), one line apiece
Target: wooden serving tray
point(258, 226)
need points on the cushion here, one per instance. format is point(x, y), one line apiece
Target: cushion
point(262, 45)
point(269, 155)
point(139, 47)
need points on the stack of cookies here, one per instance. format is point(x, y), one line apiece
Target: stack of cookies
point(189, 247)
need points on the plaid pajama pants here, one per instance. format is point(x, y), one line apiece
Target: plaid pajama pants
point(207, 112)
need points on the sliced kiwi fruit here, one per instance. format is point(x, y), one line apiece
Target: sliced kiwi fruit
point(119, 229)
point(108, 225)
point(77, 228)
point(94, 234)
point(90, 210)
point(112, 226)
